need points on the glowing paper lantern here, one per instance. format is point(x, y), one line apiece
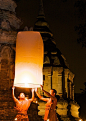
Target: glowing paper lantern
point(29, 60)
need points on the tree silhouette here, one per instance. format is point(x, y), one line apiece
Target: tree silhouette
point(80, 6)
point(84, 90)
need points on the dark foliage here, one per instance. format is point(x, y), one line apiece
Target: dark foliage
point(84, 90)
point(80, 6)
point(81, 100)
point(81, 30)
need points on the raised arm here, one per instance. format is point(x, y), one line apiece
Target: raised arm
point(48, 94)
point(42, 98)
point(15, 99)
point(32, 95)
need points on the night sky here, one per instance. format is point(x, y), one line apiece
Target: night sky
point(61, 17)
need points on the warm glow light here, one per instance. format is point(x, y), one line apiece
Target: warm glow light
point(47, 119)
point(15, 119)
point(29, 60)
point(80, 119)
point(36, 101)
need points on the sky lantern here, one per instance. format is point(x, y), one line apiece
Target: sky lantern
point(29, 60)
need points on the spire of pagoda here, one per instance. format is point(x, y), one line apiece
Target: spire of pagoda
point(41, 24)
point(41, 9)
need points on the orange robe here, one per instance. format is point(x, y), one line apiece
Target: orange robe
point(22, 107)
point(21, 117)
point(50, 112)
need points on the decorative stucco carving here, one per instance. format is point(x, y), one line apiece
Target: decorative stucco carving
point(11, 18)
point(56, 61)
point(46, 60)
point(8, 37)
point(5, 25)
point(8, 5)
point(6, 52)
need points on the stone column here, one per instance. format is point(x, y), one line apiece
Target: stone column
point(71, 76)
point(48, 76)
point(55, 79)
point(72, 92)
point(66, 71)
point(69, 89)
point(60, 69)
point(49, 80)
point(12, 74)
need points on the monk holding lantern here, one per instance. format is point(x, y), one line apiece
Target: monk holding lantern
point(50, 112)
point(28, 68)
point(22, 105)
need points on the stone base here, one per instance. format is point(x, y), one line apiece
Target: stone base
point(65, 118)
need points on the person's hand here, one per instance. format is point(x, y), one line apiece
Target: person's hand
point(33, 89)
point(41, 87)
point(36, 89)
point(13, 87)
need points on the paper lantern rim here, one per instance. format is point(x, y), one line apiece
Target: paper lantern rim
point(28, 85)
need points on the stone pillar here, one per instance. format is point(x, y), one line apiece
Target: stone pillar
point(48, 76)
point(12, 67)
point(70, 81)
point(72, 92)
point(66, 71)
point(69, 89)
point(50, 81)
point(55, 79)
point(60, 69)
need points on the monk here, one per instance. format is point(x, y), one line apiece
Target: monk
point(22, 105)
point(50, 113)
